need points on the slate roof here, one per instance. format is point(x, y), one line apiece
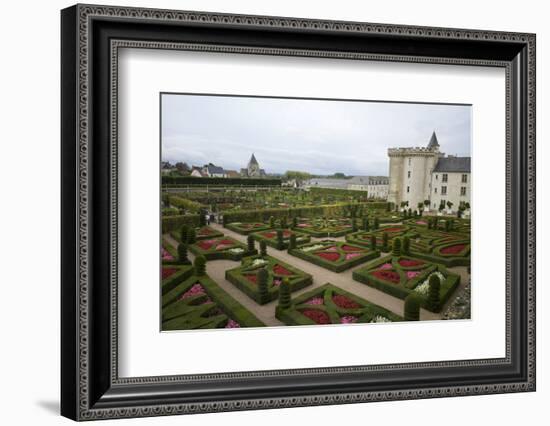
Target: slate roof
point(253, 160)
point(453, 165)
point(433, 141)
point(369, 180)
point(212, 169)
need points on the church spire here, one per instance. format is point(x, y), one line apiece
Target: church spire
point(433, 142)
point(253, 160)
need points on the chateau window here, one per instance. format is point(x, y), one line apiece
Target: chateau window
point(435, 190)
point(443, 190)
point(436, 177)
point(409, 161)
point(464, 178)
point(409, 174)
point(444, 178)
point(408, 188)
point(462, 190)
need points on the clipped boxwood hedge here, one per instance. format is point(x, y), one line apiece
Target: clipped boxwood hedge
point(247, 228)
point(201, 233)
point(172, 223)
point(221, 248)
point(182, 272)
point(191, 180)
point(245, 277)
point(405, 285)
point(211, 308)
point(270, 238)
point(329, 304)
point(345, 255)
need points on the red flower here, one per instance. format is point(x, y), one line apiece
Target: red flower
point(226, 242)
point(281, 270)
point(317, 316)
point(453, 249)
point(409, 262)
point(252, 278)
point(286, 234)
point(392, 229)
point(332, 256)
point(205, 231)
point(167, 272)
point(351, 248)
point(386, 275)
point(206, 245)
point(345, 302)
point(269, 234)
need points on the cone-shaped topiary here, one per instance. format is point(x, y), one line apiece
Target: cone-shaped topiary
point(200, 265)
point(263, 248)
point(353, 225)
point(271, 222)
point(224, 221)
point(183, 233)
point(376, 224)
point(366, 224)
point(373, 242)
point(191, 236)
point(430, 223)
point(284, 294)
point(292, 242)
point(280, 240)
point(433, 293)
point(182, 253)
point(283, 222)
point(397, 246)
point(261, 278)
point(385, 241)
point(412, 308)
point(406, 249)
point(202, 219)
point(294, 222)
point(250, 242)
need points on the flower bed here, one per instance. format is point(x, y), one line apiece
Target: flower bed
point(336, 256)
point(201, 233)
point(270, 238)
point(329, 304)
point(245, 277)
point(221, 248)
point(172, 275)
point(199, 303)
point(393, 231)
point(401, 276)
point(321, 228)
point(247, 228)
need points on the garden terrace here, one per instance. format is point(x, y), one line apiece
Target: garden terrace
point(245, 277)
point(329, 304)
point(247, 228)
point(270, 238)
point(336, 256)
point(199, 303)
point(400, 276)
point(221, 248)
point(322, 228)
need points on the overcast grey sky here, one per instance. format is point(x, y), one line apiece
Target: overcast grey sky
point(317, 136)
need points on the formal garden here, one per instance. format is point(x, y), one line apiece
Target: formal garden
point(274, 257)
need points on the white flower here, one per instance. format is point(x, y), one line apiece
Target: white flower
point(236, 250)
point(424, 287)
point(313, 247)
point(380, 318)
point(259, 262)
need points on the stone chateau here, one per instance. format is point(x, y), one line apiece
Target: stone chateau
point(424, 173)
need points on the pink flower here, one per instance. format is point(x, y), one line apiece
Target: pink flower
point(223, 246)
point(385, 266)
point(331, 248)
point(348, 319)
point(352, 255)
point(196, 290)
point(277, 282)
point(165, 255)
point(315, 301)
point(232, 324)
point(412, 274)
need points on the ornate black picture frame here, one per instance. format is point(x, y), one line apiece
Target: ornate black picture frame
point(91, 37)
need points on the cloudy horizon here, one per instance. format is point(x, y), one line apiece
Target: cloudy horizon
point(321, 137)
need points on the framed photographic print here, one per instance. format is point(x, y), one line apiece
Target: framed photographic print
point(263, 212)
